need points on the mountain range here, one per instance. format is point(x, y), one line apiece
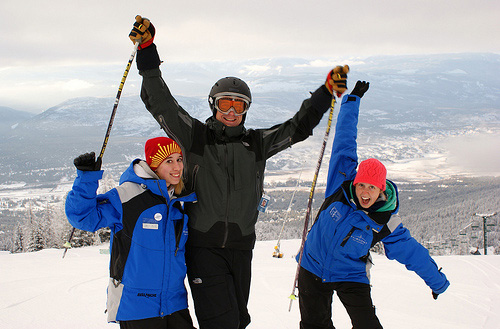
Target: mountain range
point(438, 114)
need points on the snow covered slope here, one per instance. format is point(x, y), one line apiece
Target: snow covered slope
point(43, 290)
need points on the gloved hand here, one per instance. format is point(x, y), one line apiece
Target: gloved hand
point(143, 31)
point(360, 88)
point(336, 80)
point(87, 162)
point(435, 294)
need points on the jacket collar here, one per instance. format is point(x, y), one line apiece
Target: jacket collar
point(140, 173)
point(224, 132)
point(382, 210)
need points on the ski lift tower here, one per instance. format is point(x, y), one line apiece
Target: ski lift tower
point(485, 228)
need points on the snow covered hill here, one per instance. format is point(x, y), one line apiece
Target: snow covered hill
point(43, 290)
point(9, 118)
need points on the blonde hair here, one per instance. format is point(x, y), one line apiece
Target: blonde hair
point(179, 187)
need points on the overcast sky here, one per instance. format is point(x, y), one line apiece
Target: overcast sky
point(55, 40)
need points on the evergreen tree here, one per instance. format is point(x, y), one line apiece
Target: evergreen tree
point(35, 233)
point(48, 228)
point(17, 244)
point(82, 239)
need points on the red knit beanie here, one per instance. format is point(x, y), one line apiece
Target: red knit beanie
point(373, 172)
point(158, 149)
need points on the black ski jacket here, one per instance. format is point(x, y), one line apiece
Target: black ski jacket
point(225, 165)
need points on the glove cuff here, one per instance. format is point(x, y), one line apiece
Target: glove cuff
point(89, 176)
point(321, 99)
point(148, 43)
point(148, 58)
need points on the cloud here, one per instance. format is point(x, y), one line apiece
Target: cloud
point(225, 30)
point(476, 153)
point(74, 85)
point(329, 63)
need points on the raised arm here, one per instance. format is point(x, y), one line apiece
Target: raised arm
point(84, 208)
point(155, 94)
point(344, 158)
point(301, 125)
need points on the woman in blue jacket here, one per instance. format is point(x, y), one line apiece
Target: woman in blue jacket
point(149, 230)
point(357, 213)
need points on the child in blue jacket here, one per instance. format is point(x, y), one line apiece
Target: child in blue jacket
point(149, 230)
point(356, 214)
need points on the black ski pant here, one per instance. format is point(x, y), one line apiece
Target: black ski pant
point(315, 302)
point(177, 320)
point(220, 286)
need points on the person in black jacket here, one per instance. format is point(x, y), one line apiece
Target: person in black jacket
point(225, 167)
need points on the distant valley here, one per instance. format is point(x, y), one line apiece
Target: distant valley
point(428, 118)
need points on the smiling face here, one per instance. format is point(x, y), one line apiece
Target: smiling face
point(230, 119)
point(171, 169)
point(367, 194)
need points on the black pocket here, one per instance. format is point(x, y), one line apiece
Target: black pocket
point(211, 295)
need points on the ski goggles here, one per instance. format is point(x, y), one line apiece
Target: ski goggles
point(224, 104)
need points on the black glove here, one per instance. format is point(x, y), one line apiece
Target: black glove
point(87, 162)
point(360, 88)
point(435, 295)
point(148, 58)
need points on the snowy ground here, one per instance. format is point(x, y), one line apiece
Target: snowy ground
point(42, 290)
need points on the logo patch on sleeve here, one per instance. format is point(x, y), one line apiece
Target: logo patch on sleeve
point(335, 214)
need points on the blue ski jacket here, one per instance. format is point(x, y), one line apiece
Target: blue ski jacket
point(338, 245)
point(149, 232)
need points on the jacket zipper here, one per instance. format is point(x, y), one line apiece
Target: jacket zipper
point(165, 249)
point(259, 188)
point(280, 144)
point(344, 241)
point(193, 176)
point(226, 231)
point(176, 234)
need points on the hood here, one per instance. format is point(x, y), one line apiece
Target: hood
point(140, 173)
point(137, 172)
point(392, 202)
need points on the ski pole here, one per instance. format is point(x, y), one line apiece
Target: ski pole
point(293, 296)
point(117, 99)
point(67, 245)
point(277, 247)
